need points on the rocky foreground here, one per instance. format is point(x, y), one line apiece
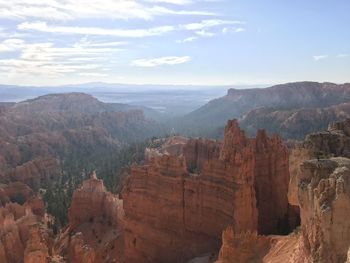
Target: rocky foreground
point(194, 200)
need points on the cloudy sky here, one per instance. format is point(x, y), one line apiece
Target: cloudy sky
point(216, 42)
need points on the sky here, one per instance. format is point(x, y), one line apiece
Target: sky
point(198, 42)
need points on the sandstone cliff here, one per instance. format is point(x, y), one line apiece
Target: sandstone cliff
point(291, 110)
point(293, 123)
point(321, 188)
point(177, 206)
point(249, 247)
point(324, 197)
point(333, 142)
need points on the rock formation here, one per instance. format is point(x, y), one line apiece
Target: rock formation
point(333, 142)
point(95, 230)
point(34, 173)
point(292, 110)
point(177, 206)
point(249, 247)
point(324, 198)
point(320, 186)
point(293, 123)
point(37, 250)
point(23, 234)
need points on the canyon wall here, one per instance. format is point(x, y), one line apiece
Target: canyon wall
point(320, 187)
point(177, 206)
point(324, 197)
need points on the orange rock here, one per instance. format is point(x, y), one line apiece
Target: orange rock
point(16, 223)
point(250, 247)
point(243, 247)
point(36, 250)
point(95, 230)
point(177, 206)
point(325, 207)
point(271, 184)
point(35, 172)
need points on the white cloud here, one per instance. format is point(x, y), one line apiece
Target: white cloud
point(204, 33)
point(342, 55)
point(320, 57)
point(131, 33)
point(84, 42)
point(154, 62)
point(75, 9)
point(228, 30)
point(11, 44)
point(205, 24)
point(47, 59)
point(200, 28)
point(188, 39)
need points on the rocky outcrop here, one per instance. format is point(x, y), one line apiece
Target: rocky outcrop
point(37, 250)
point(34, 173)
point(21, 233)
point(320, 187)
point(243, 247)
point(291, 110)
point(293, 123)
point(324, 198)
point(95, 230)
point(16, 192)
point(250, 247)
point(177, 206)
point(297, 156)
point(92, 201)
point(333, 142)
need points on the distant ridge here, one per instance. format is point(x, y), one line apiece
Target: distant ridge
point(237, 103)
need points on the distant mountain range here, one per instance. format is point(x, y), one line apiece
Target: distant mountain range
point(292, 109)
point(169, 100)
point(77, 102)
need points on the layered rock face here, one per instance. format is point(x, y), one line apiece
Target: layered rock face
point(92, 200)
point(243, 247)
point(292, 110)
point(324, 197)
point(320, 187)
point(293, 123)
point(333, 142)
point(249, 247)
point(271, 184)
point(95, 230)
point(177, 206)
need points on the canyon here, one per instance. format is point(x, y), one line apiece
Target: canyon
point(199, 200)
point(240, 200)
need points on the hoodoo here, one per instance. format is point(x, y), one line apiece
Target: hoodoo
point(177, 206)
